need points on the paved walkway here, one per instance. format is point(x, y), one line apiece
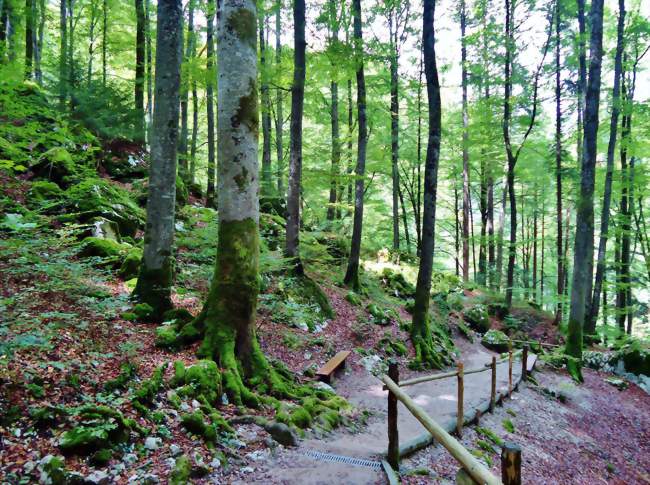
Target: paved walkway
point(437, 398)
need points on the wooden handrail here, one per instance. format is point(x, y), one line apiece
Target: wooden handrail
point(454, 373)
point(475, 468)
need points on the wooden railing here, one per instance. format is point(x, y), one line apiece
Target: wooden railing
point(478, 473)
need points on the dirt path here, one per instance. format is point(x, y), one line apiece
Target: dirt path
point(363, 390)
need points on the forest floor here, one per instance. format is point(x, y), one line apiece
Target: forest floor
point(64, 336)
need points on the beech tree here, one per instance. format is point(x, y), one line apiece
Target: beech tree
point(425, 353)
point(156, 274)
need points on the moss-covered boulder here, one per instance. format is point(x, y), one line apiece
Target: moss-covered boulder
point(99, 427)
point(104, 229)
point(202, 379)
point(95, 197)
point(380, 316)
point(392, 346)
point(56, 165)
point(395, 282)
point(131, 264)
point(353, 298)
point(102, 248)
point(635, 355)
point(180, 475)
point(455, 302)
point(496, 340)
point(43, 192)
point(166, 337)
point(477, 317)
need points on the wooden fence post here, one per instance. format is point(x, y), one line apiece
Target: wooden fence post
point(524, 364)
point(461, 393)
point(511, 464)
point(393, 435)
point(493, 391)
point(509, 373)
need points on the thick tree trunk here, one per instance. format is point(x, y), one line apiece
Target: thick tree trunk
point(139, 70)
point(185, 95)
point(590, 323)
point(267, 175)
point(155, 279)
point(38, 52)
point(425, 354)
point(584, 240)
point(352, 272)
point(209, 93)
point(465, 142)
point(623, 286)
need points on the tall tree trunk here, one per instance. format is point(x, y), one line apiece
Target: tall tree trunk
point(30, 7)
point(623, 286)
point(590, 323)
point(209, 93)
point(481, 276)
point(279, 120)
point(511, 152)
point(465, 142)
point(405, 222)
point(350, 131)
point(38, 53)
point(155, 278)
point(535, 217)
point(139, 70)
point(558, 165)
point(418, 204)
point(584, 240)
point(104, 39)
point(352, 272)
point(185, 94)
point(456, 231)
point(295, 160)
point(195, 132)
point(500, 240)
point(149, 55)
point(63, 53)
point(425, 354)
point(334, 117)
point(229, 312)
point(267, 175)
point(394, 120)
point(91, 41)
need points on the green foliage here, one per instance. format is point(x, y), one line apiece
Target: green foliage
point(353, 298)
point(508, 425)
point(477, 317)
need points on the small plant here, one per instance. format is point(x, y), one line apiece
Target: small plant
point(508, 425)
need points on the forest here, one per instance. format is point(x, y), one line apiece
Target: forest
point(325, 241)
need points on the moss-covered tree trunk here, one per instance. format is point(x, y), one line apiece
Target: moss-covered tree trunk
point(421, 326)
point(185, 95)
point(352, 272)
point(155, 278)
point(139, 70)
point(228, 316)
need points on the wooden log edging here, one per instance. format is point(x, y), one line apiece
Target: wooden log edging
point(475, 468)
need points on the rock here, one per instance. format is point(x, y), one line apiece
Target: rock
point(130, 458)
point(247, 469)
point(52, 470)
point(268, 441)
point(496, 340)
point(98, 478)
point(57, 165)
point(281, 433)
point(29, 467)
point(118, 469)
point(196, 404)
point(152, 443)
point(477, 317)
point(175, 450)
point(371, 362)
point(130, 266)
point(105, 229)
point(103, 248)
point(323, 386)
point(75, 478)
point(215, 463)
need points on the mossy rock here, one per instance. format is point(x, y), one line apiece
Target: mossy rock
point(353, 298)
point(498, 309)
point(380, 316)
point(104, 229)
point(53, 470)
point(131, 264)
point(95, 197)
point(143, 311)
point(195, 423)
point(496, 340)
point(635, 357)
point(101, 427)
point(300, 418)
point(42, 192)
point(392, 346)
point(205, 378)
point(180, 316)
point(103, 248)
point(397, 284)
point(477, 317)
point(180, 475)
point(101, 457)
point(166, 337)
point(56, 165)
point(127, 373)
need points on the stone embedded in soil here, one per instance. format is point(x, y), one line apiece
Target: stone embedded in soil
point(282, 434)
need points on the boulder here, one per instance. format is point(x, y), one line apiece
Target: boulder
point(281, 433)
point(477, 317)
point(496, 340)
